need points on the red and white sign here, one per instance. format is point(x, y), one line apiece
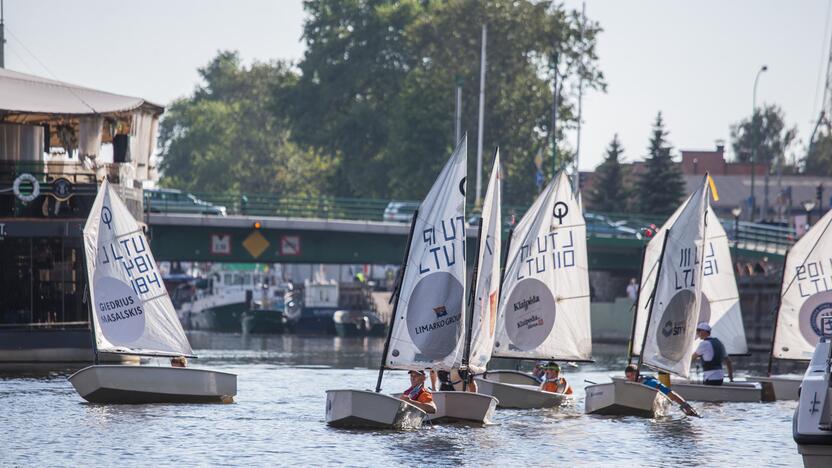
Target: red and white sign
point(221, 244)
point(290, 246)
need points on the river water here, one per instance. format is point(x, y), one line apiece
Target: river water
point(278, 419)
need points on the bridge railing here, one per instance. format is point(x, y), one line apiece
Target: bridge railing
point(763, 237)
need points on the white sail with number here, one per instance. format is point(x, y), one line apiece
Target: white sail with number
point(806, 294)
point(544, 306)
point(131, 309)
point(674, 310)
point(429, 318)
point(487, 288)
point(720, 303)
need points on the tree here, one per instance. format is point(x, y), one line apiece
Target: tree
point(818, 160)
point(765, 137)
point(225, 137)
point(608, 192)
point(377, 82)
point(661, 187)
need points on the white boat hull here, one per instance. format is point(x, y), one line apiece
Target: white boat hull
point(370, 410)
point(728, 391)
point(152, 384)
point(511, 377)
point(778, 387)
point(463, 407)
point(812, 421)
point(623, 398)
point(520, 396)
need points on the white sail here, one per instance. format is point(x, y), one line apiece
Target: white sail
point(487, 290)
point(430, 318)
point(544, 306)
point(671, 328)
point(806, 293)
point(720, 304)
point(131, 310)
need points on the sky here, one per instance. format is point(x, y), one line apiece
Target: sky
point(694, 61)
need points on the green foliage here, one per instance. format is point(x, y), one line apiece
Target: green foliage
point(765, 135)
point(378, 78)
point(661, 187)
point(225, 137)
point(818, 161)
point(609, 193)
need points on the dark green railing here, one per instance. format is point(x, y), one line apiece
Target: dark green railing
point(620, 225)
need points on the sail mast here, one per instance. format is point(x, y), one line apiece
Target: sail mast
point(470, 305)
point(635, 307)
point(396, 303)
point(652, 302)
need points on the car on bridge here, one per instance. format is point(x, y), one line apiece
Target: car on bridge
point(601, 225)
point(400, 211)
point(176, 201)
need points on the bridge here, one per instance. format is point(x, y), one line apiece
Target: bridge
point(271, 229)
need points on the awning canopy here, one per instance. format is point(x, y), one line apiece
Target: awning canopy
point(33, 99)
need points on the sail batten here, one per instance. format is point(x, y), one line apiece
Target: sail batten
point(430, 314)
point(132, 312)
point(547, 261)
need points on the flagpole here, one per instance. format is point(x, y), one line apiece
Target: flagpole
point(478, 199)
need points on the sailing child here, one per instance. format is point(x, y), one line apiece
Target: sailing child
point(417, 394)
point(631, 372)
point(553, 382)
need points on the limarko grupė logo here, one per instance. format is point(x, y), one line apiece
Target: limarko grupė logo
point(434, 315)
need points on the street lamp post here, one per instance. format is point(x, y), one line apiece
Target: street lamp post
point(754, 143)
point(736, 212)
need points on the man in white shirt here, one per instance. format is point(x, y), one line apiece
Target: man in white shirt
point(712, 352)
point(632, 290)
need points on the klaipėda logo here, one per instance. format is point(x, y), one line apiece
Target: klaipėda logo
point(531, 322)
point(440, 311)
point(525, 303)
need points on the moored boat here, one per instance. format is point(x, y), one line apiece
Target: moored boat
point(132, 314)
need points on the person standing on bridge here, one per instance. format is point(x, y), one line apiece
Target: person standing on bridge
point(632, 290)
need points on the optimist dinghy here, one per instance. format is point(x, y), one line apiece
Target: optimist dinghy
point(465, 406)
point(720, 307)
point(544, 308)
point(805, 299)
point(428, 319)
point(623, 398)
point(132, 314)
point(668, 332)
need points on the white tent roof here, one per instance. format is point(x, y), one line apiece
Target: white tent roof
point(36, 98)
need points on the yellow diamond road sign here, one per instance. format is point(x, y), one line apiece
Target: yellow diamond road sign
point(255, 244)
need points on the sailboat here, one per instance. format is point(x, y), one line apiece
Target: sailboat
point(805, 298)
point(465, 406)
point(428, 316)
point(132, 314)
point(544, 306)
point(668, 339)
point(719, 306)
